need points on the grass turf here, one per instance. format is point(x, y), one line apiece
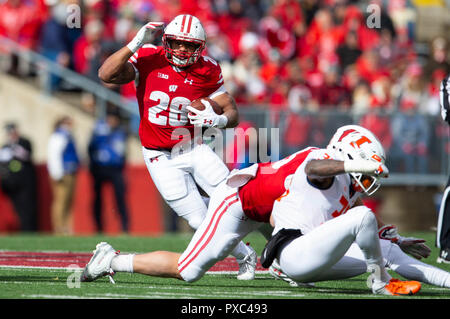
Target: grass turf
point(32, 283)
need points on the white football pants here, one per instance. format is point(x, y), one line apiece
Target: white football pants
point(224, 226)
point(311, 256)
point(176, 177)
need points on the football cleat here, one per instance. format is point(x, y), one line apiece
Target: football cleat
point(247, 266)
point(277, 273)
point(444, 256)
point(397, 287)
point(100, 263)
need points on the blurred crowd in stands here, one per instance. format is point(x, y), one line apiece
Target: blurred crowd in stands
point(295, 56)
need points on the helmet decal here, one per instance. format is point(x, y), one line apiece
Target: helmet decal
point(345, 134)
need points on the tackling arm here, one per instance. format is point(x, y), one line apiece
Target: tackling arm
point(321, 172)
point(327, 168)
point(317, 169)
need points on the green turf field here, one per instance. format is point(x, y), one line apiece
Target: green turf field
point(34, 283)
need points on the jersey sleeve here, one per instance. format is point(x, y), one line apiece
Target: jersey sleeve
point(146, 53)
point(212, 72)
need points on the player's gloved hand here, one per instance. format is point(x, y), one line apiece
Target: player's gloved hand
point(145, 35)
point(207, 117)
point(365, 167)
point(414, 246)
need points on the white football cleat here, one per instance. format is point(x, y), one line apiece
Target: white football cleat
point(277, 273)
point(247, 266)
point(100, 263)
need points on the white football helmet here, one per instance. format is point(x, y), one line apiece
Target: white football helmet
point(188, 28)
point(353, 142)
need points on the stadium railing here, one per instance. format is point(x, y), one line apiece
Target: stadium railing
point(46, 68)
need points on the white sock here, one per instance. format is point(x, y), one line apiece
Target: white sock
point(379, 276)
point(123, 263)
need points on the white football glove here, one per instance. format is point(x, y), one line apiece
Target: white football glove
point(410, 245)
point(146, 34)
point(207, 117)
point(365, 167)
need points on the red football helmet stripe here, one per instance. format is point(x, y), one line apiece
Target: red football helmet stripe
point(345, 134)
point(189, 24)
point(182, 23)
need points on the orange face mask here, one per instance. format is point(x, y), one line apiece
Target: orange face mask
point(365, 180)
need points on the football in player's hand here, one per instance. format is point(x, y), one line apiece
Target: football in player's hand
point(198, 105)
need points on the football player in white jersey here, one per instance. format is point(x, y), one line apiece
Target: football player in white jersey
point(395, 249)
point(344, 242)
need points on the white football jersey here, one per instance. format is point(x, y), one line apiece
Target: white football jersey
point(305, 206)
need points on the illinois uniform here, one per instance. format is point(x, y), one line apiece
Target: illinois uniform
point(329, 219)
point(310, 206)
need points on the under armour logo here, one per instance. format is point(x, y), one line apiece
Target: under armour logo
point(153, 159)
point(188, 81)
point(205, 121)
